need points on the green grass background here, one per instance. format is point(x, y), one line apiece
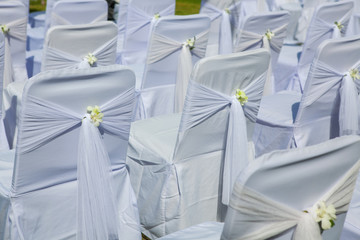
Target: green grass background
point(183, 7)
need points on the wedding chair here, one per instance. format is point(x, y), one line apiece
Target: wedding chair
point(13, 19)
point(176, 160)
point(264, 30)
point(67, 178)
point(328, 107)
point(140, 16)
point(354, 23)
point(330, 20)
point(263, 209)
point(176, 44)
point(67, 47)
point(121, 23)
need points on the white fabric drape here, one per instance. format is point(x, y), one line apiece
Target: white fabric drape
point(56, 58)
point(225, 35)
point(163, 46)
point(328, 77)
point(17, 30)
point(273, 218)
point(59, 20)
point(97, 211)
point(204, 103)
point(249, 39)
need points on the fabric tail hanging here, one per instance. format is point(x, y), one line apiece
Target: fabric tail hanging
point(225, 38)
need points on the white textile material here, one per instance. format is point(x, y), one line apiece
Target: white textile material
point(17, 30)
point(163, 46)
point(96, 206)
point(139, 22)
point(208, 102)
point(277, 217)
point(202, 231)
point(56, 58)
point(56, 19)
point(3, 139)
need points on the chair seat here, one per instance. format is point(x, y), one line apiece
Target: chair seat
point(279, 109)
point(6, 171)
point(203, 231)
point(154, 139)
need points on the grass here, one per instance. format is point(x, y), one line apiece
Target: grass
point(183, 7)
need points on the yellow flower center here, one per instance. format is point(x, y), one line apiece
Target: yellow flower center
point(354, 73)
point(190, 42)
point(227, 10)
point(157, 16)
point(241, 97)
point(95, 115)
point(5, 29)
point(339, 25)
point(91, 59)
point(269, 34)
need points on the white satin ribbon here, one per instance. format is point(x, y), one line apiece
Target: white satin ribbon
point(225, 35)
point(274, 218)
point(56, 58)
point(328, 77)
point(97, 211)
point(201, 103)
point(56, 19)
point(163, 46)
point(17, 30)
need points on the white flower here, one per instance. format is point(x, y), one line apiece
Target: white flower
point(5, 29)
point(227, 10)
point(339, 25)
point(95, 115)
point(241, 97)
point(354, 73)
point(324, 215)
point(269, 34)
point(91, 59)
point(157, 16)
point(190, 42)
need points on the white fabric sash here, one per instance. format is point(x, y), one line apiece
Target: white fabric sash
point(274, 218)
point(326, 78)
point(163, 46)
point(17, 31)
point(59, 20)
point(138, 18)
point(56, 58)
point(203, 102)
point(250, 39)
point(225, 38)
point(44, 121)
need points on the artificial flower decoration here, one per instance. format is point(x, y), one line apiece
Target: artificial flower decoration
point(191, 43)
point(91, 59)
point(227, 10)
point(354, 73)
point(269, 34)
point(95, 115)
point(157, 16)
point(5, 29)
point(339, 25)
point(324, 215)
point(241, 97)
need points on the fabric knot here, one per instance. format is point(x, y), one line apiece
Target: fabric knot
point(157, 16)
point(339, 25)
point(307, 227)
point(269, 34)
point(354, 74)
point(91, 59)
point(190, 43)
point(94, 115)
point(241, 97)
point(5, 29)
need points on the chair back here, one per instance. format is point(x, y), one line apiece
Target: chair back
point(140, 15)
point(78, 12)
point(322, 27)
point(289, 182)
point(48, 174)
point(74, 46)
point(328, 107)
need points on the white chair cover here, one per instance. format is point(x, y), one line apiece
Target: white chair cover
point(69, 12)
point(176, 43)
point(354, 23)
point(13, 15)
point(322, 27)
point(330, 87)
point(140, 16)
point(3, 139)
point(47, 118)
point(167, 153)
point(121, 23)
point(268, 211)
point(267, 30)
